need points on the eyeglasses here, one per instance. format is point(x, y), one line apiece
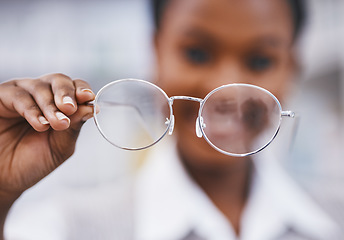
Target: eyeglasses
point(235, 119)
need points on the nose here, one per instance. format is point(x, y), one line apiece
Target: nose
point(229, 71)
point(225, 72)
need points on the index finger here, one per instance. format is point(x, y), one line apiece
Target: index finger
point(64, 92)
point(83, 91)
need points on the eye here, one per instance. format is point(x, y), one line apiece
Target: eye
point(226, 107)
point(197, 55)
point(259, 63)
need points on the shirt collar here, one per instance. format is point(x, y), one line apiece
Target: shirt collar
point(169, 204)
point(163, 190)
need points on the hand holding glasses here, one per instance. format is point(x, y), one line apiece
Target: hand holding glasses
point(236, 119)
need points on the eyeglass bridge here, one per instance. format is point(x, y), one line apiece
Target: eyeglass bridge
point(186, 98)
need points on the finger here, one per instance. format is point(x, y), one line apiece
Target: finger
point(17, 101)
point(83, 91)
point(6, 108)
point(64, 92)
point(42, 94)
point(84, 113)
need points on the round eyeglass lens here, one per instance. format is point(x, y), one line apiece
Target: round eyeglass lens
point(240, 119)
point(132, 114)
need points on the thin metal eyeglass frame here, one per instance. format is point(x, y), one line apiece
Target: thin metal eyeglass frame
point(199, 124)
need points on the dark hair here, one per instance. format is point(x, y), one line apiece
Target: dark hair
point(297, 10)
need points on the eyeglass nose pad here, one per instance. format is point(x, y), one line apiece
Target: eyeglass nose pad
point(171, 122)
point(198, 126)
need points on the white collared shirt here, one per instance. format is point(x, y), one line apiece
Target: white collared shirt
point(169, 205)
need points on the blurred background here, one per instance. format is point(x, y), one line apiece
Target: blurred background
point(105, 40)
point(98, 41)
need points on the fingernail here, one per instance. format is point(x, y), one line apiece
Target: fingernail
point(43, 120)
point(87, 90)
point(86, 117)
point(60, 116)
point(68, 100)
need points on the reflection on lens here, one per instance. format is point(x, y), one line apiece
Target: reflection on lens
point(132, 113)
point(240, 118)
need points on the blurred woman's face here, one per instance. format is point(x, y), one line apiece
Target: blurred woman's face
point(204, 44)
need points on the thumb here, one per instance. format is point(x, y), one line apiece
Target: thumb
point(62, 143)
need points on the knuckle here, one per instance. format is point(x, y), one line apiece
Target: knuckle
point(10, 86)
point(32, 107)
point(31, 110)
point(66, 91)
point(59, 75)
point(9, 83)
point(78, 80)
point(20, 94)
point(55, 77)
point(26, 83)
point(81, 83)
point(38, 86)
point(50, 106)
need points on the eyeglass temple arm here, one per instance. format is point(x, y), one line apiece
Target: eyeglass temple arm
point(295, 126)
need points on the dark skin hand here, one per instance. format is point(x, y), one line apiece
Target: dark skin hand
point(40, 120)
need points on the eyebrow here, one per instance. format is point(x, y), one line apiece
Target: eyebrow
point(263, 41)
point(269, 41)
point(199, 34)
